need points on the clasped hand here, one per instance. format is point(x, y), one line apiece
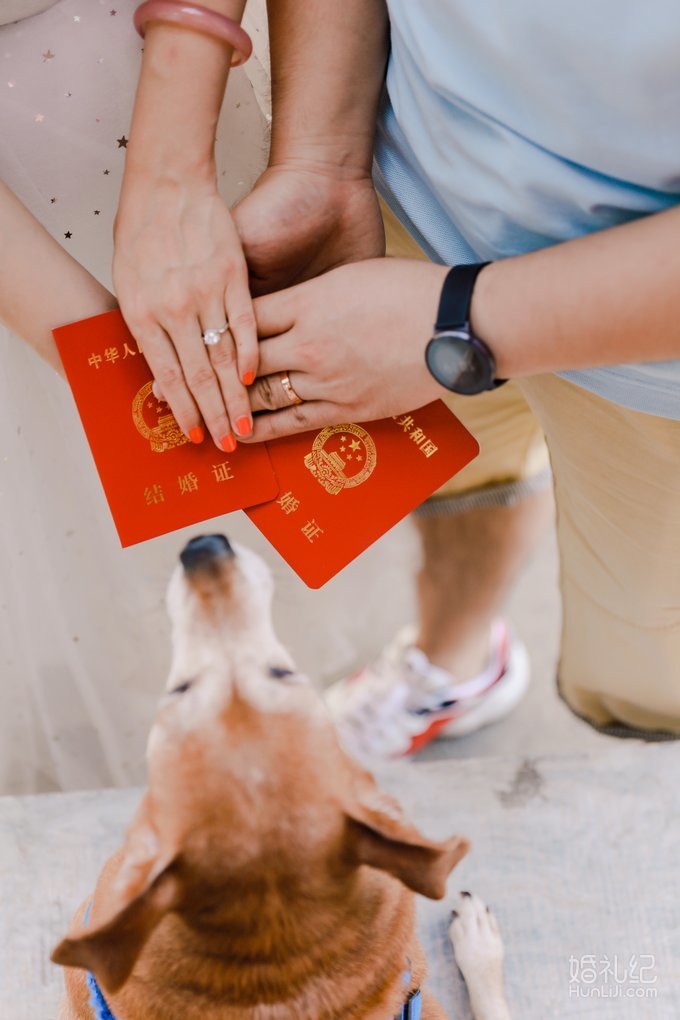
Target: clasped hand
point(350, 338)
point(352, 343)
point(180, 269)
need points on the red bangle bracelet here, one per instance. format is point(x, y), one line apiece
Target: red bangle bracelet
point(200, 19)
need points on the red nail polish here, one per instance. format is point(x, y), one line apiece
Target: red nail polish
point(197, 435)
point(248, 378)
point(228, 443)
point(243, 426)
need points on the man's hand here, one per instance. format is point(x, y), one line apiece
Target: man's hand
point(353, 343)
point(302, 220)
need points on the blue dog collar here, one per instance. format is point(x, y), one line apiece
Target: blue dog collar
point(97, 1000)
point(409, 1011)
point(412, 1007)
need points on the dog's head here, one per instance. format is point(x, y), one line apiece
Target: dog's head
point(249, 789)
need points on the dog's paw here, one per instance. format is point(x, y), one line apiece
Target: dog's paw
point(476, 939)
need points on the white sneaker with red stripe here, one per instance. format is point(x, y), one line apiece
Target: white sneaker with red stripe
point(403, 701)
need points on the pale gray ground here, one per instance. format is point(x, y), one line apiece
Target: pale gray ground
point(579, 862)
point(575, 835)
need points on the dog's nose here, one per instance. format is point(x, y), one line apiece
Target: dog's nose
point(204, 551)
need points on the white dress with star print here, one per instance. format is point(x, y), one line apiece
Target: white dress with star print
point(83, 636)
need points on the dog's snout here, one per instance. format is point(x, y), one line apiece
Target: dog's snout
point(204, 551)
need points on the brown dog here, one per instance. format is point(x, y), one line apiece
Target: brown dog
point(265, 876)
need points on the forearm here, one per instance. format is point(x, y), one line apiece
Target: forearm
point(41, 285)
point(608, 298)
point(181, 88)
point(328, 66)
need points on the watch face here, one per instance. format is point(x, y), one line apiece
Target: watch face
point(460, 362)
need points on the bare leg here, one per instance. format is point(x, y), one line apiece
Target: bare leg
point(478, 947)
point(470, 561)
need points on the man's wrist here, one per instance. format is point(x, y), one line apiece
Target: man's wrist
point(485, 321)
point(342, 157)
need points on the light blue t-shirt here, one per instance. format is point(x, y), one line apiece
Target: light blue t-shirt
point(510, 126)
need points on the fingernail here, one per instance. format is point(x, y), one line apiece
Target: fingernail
point(228, 443)
point(248, 378)
point(243, 426)
point(197, 435)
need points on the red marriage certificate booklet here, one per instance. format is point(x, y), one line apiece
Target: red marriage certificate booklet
point(321, 499)
point(343, 487)
point(155, 480)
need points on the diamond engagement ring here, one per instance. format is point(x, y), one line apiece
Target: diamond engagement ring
point(213, 336)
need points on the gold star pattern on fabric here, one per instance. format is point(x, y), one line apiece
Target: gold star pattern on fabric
point(355, 445)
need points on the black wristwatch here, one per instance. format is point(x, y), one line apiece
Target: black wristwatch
point(458, 360)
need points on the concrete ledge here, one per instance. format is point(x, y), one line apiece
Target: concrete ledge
point(578, 856)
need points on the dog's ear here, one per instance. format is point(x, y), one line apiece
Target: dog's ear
point(144, 889)
point(390, 843)
point(110, 950)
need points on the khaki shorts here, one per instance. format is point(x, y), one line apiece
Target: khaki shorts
point(617, 487)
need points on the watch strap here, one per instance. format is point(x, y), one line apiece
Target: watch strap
point(454, 305)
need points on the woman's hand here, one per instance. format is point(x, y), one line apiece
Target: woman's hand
point(353, 344)
point(178, 265)
point(179, 270)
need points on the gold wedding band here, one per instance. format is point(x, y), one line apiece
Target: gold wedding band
point(287, 388)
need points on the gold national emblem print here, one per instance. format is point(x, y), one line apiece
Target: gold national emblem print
point(155, 422)
point(342, 457)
